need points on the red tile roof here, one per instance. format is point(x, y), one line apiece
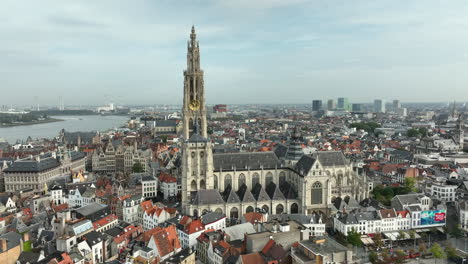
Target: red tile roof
point(166, 240)
point(252, 258)
point(194, 226)
point(104, 221)
point(253, 217)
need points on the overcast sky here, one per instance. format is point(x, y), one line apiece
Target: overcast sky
point(252, 51)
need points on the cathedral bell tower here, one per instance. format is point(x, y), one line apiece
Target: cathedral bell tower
point(197, 154)
point(194, 110)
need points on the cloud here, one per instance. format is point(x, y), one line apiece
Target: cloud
point(252, 51)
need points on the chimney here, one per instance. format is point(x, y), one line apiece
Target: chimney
point(4, 244)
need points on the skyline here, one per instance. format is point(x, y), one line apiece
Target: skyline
point(294, 52)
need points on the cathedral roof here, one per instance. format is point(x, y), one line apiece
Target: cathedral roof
point(208, 197)
point(259, 193)
point(274, 192)
point(245, 195)
point(281, 151)
point(288, 190)
point(245, 161)
point(197, 138)
point(233, 198)
point(326, 159)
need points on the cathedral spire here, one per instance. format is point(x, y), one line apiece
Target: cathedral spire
point(194, 110)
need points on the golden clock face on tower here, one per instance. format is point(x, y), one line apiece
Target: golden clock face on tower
point(194, 105)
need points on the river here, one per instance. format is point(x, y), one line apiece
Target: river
point(69, 123)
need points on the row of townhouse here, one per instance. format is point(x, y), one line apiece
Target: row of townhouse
point(409, 211)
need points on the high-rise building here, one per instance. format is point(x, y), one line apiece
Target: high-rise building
point(357, 107)
point(396, 105)
point(379, 106)
point(316, 105)
point(331, 104)
point(343, 104)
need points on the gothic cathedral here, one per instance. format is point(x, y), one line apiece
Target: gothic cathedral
point(283, 181)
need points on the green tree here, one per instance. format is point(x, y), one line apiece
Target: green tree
point(423, 131)
point(373, 257)
point(410, 184)
point(137, 167)
point(413, 133)
point(457, 232)
point(437, 252)
point(354, 238)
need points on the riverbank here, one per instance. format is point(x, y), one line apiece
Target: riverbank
point(49, 120)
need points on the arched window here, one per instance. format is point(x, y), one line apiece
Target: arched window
point(241, 180)
point(215, 182)
point(219, 210)
point(249, 209)
point(255, 179)
point(195, 212)
point(265, 208)
point(268, 178)
point(202, 184)
point(294, 208)
point(234, 213)
point(193, 185)
point(282, 177)
point(316, 193)
point(279, 209)
point(227, 181)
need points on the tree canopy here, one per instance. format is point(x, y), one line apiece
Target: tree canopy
point(354, 238)
point(137, 168)
point(369, 127)
point(437, 251)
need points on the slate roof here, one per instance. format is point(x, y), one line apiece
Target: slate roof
point(281, 151)
point(288, 190)
point(211, 217)
point(166, 123)
point(28, 257)
point(32, 165)
point(85, 137)
point(208, 197)
point(304, 164)
point(195, 138)
point(300, 218)
point(259, 193)
point(75, 155)
point(326, 159)
point(274, 192)
point(90, 209)
point(247, 196)
point(13, 239)
point(245, 160)
point(93, 238)
point(232, 198)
